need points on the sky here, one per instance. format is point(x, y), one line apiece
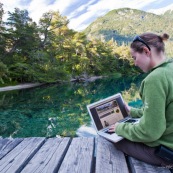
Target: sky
point(81, 13)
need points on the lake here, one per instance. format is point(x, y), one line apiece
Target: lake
point(60, 109)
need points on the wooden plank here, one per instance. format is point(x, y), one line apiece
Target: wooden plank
point(3, 142)
point(15, 160)
point(141, 167)
point(79, 157)
point(7, 144)
point(109, 159)
point(49, 157)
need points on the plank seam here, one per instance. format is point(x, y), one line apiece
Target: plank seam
point(93, 161)
point(62, 157)
point(30, 157)
point(130, 165)
point(8, 143)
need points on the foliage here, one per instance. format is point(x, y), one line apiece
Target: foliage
point(3, 72)
point(1, 12)
point(49, 51)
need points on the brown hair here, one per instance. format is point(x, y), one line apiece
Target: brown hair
point(152, 40)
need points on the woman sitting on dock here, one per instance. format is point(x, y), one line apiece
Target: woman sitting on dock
point(156, 124)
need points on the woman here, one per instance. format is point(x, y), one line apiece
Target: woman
point(156, 124)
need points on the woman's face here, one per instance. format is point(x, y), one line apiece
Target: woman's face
point(141, 60)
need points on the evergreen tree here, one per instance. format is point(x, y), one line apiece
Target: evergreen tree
point(2, 38)
point(21, 34)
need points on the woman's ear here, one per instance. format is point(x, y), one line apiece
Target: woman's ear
point(146, 51)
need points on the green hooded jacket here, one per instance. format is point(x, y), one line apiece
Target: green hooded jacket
point(156, 124)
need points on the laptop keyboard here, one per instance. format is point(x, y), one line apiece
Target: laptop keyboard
point(131, 120)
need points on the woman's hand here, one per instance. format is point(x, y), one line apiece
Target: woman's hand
point(113, 127)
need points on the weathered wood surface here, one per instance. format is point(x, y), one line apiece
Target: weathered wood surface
point(40, 155)
point(49, 157)
point(141, 167)
point(6, 145)
point(15, 160)
point(66, 155)
point(79, 157)
point(109, 159)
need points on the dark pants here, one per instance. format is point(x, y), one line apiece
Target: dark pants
point(141, 152)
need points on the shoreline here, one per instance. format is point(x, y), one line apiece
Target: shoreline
point(32, 85)
point(21, 86)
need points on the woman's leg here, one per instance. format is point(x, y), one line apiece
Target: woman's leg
point(141, 152)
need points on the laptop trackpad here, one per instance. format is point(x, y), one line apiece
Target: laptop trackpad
point(107, 131)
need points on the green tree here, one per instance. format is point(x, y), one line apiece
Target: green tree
point(21, 34)
point(21, 40)
point(49, 25)
point(1, 12)
point(3, 72)
point(48, 65)
point(2, 39)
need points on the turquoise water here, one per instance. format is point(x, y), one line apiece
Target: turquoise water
point(59, 110)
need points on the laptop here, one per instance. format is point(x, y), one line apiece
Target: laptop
point(107, 112)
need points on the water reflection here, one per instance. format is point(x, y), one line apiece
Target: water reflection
point(59, 110)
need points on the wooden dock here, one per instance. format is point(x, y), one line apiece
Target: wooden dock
point(67, 155)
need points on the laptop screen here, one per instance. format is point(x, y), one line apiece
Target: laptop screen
point(108, 111)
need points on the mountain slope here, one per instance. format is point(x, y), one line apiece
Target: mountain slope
point(123, 24)
point(168, 14)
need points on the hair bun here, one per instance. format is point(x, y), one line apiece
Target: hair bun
point(164, 37)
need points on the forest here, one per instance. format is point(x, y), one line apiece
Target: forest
point(50, 52)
